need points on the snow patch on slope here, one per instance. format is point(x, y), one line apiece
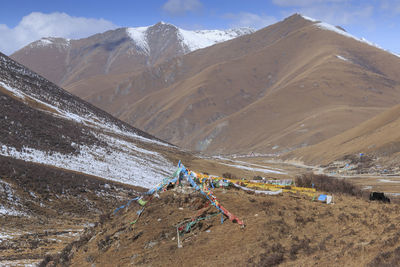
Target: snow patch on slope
point(342, 58)
point(6, 191)
point(194, 40)
point(89, 120)
point(121, 161)
point(8, 195)
point(4, 236)
point(14, 91)
point(249, 168)
point(139, 36)
point(44, 42)
point(118, 156)
point(308, 18)
point(10, 212)
point(50, 41)
point(327, 26)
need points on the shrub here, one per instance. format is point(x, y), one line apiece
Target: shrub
point(328, 184)
point(229, 175)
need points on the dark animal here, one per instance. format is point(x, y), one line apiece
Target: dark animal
point(379, 197)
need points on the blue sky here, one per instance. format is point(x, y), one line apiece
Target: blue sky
point(23, 21)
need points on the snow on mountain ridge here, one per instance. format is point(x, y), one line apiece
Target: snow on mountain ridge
point(139, 36)
point(327, 26)
point(49, 41)
point(308, 18)
point(194, 40)
point(191, 40)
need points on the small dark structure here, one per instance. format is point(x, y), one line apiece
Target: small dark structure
point(379, 196)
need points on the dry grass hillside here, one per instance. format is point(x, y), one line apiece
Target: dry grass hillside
point(378, 138)
point(47, 208)
point(284, 230)
point(270, 91)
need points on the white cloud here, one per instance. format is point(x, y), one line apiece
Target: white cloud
point(37, 25)
point(180, 7)
point(246, 19)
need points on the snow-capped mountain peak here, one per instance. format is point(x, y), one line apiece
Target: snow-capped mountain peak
point(194, 40)
point(188, 40)
point(51, 41)
point(139, 36)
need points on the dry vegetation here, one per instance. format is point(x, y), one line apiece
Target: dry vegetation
point(287, 230)
point(57, 205)
point(329, 184)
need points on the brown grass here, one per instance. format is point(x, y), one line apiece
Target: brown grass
point(288, 230)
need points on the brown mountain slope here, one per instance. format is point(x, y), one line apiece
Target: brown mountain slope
point(378, 137)
point(289, 85)
point(176, 69)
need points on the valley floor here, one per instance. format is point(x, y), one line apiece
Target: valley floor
point(367, 178)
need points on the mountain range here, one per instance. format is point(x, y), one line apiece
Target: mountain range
point(64, 61)
point(290, 85)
